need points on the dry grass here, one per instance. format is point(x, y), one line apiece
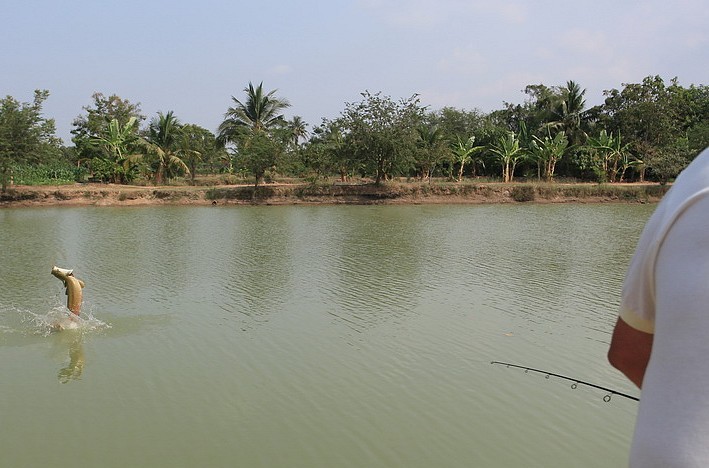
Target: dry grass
point(327, 192)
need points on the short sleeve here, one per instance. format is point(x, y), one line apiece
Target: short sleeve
point(637, 306)
point(638, 302)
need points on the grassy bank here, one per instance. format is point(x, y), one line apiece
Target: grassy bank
point(329, 193)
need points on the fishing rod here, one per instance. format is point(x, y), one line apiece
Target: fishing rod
point(575, 384)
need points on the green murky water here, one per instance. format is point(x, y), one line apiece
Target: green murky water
point(341, 336)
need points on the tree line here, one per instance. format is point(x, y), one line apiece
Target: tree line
point(643, 131)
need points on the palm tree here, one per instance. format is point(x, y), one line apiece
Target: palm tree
point(161, 143)
point(256, 127)
point(568, 112)
point(259, 112)
point(298, 129)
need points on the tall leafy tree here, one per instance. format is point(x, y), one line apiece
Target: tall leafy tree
point(456, 123)
point(695, 105)
point(643, 112)
point(26, 136)
point(326, 152)
point(198, 147)
point(657, 120)
point(380, 132)
point(98, 116)
point(260, 152)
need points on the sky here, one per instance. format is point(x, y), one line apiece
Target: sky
point(191, 57)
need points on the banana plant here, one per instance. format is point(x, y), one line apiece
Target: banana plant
point(613, 154)
point(548, 151)
point(118, 142)
point(463, 151)
point(508, 153)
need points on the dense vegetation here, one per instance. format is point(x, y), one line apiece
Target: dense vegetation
point(644, 131)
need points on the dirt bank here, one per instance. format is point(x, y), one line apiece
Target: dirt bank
point(361, 194)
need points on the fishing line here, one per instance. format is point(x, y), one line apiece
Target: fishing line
point(576, 382)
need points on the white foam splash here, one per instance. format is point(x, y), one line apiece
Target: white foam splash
point(56, 319)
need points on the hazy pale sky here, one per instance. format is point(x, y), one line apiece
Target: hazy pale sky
point(191, 57)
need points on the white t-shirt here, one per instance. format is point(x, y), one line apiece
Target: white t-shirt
point(666, 292)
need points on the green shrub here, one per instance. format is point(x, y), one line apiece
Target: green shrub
point(44, 174)
point(101, 170)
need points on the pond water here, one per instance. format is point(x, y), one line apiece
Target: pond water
point(314, 336)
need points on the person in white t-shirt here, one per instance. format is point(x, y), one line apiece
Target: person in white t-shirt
point(661, 339)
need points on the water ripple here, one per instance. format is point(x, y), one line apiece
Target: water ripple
point(321, 336)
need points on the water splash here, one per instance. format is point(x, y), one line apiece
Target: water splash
point(60, 318)
point(17, 321)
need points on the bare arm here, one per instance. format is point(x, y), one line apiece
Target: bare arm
point(630, 351)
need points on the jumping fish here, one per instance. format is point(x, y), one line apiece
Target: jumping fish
point(73, 287)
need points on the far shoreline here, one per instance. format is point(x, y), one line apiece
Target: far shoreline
point(391, 193)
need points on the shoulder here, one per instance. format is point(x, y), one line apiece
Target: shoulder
point(691, 188)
